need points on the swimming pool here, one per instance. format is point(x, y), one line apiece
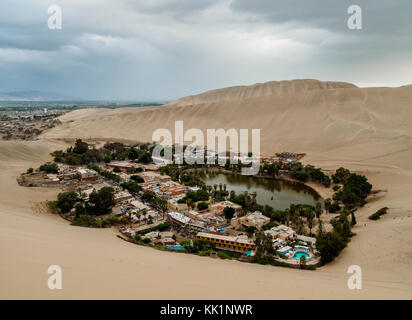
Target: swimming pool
point(300, 254)
point(176, 247)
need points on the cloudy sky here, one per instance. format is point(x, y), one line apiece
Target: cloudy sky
point(165, 49)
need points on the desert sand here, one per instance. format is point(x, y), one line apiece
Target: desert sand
point(367, 130)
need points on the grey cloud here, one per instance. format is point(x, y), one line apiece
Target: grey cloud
point(178, 7)
point(378, 16)
point(165, 49)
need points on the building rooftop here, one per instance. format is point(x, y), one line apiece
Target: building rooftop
point(179, 216)
point(238, 239)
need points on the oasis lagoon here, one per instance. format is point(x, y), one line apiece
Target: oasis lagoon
point(279, 194)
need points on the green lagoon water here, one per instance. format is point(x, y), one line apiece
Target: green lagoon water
point(277, 193)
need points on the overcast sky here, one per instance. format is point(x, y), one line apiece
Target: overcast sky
point(165, 49)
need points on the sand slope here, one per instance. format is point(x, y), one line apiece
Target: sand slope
point(367, 130)
point(259, 90)
point(374, 121)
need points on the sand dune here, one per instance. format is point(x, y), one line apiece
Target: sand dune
point(259, 90)
point(311, 120)
point(368, 130)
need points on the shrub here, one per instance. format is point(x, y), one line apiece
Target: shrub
point(377, 215)
point(137, 178)
point(52, 205)
point(146, 240)
point(30, 170)
point(163, 226)
point(94, 167)
point(111, 220)
point(110, 175)
point(49, 167)
point(86, 220)
point(202, 206)
point(223, 255)
point(250, 229)
point(205, 253)
point(79, 209)
point(334, 207)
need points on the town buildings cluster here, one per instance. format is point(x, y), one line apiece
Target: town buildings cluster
point(27, 125)
point(186, 222)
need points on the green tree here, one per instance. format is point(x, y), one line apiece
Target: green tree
point(133, 153)
point(49, 167)
point(310, 219)
point(340, 175)
point(328, 202)
point(229, 212)
point(329, 245)
point(102, 201)
point(302, 262)
point(80, 147)
point(318, 209)
point(202, 206)
point(137, 178)
point(131, 186)
point(148, 196)
point(66, 201)
point(353, 218)
point(79, 209)
point(264, 246)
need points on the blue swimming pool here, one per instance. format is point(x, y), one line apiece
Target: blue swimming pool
point(176, 247)
point(299, 254)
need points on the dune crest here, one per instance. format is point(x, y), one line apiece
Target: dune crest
point(260, 90)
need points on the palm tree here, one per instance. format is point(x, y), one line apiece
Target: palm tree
point(163, 208)
point(292, 212)
point(287, 216)
point(320, 227)
point(310, 219)
point(246, 198)
point(300, 229)
point(189, 202)
point(318, 209)
point(328, 202)
point(254, 194)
